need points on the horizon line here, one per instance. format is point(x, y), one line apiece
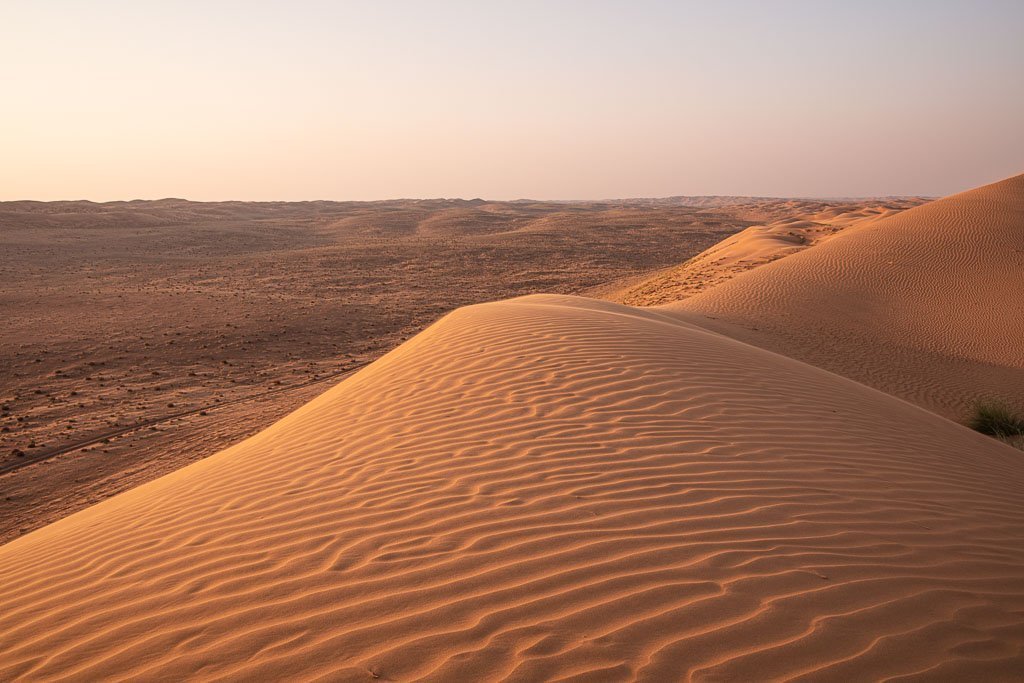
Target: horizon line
point(477, 199)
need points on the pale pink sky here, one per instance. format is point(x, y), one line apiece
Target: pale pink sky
point(369, 100)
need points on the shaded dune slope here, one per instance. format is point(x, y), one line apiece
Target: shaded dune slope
point(548, 488)
point(927, 304)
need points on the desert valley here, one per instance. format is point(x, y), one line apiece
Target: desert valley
point(719, 439)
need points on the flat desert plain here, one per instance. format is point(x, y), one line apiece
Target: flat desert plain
point(740, 457)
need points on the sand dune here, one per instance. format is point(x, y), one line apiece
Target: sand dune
point(927, 304)
point(138, 337)
point(549, 488)
point(748, 249)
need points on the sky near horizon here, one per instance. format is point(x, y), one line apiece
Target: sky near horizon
point(296, 100)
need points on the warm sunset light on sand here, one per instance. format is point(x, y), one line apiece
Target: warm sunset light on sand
point(722, 379)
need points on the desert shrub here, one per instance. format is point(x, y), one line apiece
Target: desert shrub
point(998, 420)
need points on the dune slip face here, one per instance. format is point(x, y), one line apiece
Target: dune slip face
point(548, 488)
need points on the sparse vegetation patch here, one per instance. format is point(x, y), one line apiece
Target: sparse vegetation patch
point(998, 420)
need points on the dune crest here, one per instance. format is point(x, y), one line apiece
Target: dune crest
point(927, 304)
point(548, 488)
point(753, 247)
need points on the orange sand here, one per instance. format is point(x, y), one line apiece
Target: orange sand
point(548, 488)
point(559, 488)
point(753, 247)
point(927, 304)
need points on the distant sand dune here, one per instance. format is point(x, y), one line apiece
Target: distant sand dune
point(552, 488)
point(751, 248)
point(927, 304)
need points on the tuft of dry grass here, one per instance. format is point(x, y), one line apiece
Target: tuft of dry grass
point(996, 419)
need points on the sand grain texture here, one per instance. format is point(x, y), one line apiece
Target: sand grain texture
point(549, 488)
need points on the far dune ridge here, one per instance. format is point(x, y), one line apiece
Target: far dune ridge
point(748, 249)
point(549, 488)
point(926, 304)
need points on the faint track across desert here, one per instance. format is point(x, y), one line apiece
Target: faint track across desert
point(99, 438)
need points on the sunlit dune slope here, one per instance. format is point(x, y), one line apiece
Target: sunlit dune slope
point(748, 249)
point(548, 488)
point(927, 304)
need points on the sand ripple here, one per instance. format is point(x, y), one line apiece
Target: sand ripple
point(926, 304)
point(549, 488)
